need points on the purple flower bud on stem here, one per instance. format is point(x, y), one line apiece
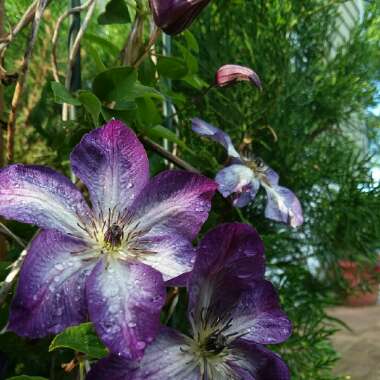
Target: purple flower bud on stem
point(174, 16)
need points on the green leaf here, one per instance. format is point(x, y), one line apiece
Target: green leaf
point(94, 54)
point(116, 12)
point(171, 67)
point(102, 42)
point(80, 338)
point(25, 377)
point(148, 114)
point(62, 95)
point(126, 115)
point(141, 91)
point(91, 104)
point(159, 131)
point(114, 84)
point(191, 41)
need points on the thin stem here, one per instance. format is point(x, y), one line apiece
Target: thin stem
point(8, 232)
point(26, 18)
point(153, 38)
point(40, 7)
point(57, 29)
point(169, 156)
point(73, 54)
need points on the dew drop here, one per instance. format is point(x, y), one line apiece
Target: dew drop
point(140, 345)
point(59, 267)
point(129, 185)
point(131, 324)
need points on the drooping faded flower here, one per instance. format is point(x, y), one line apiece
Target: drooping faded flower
point(174, 16)
point(109, 262)
point(230, 74)
point(233, 313)
point(242, 180)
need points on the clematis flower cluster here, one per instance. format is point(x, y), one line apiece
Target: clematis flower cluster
point(108, 255)
point(233, 312)
point(244, 176)
point(109, 262)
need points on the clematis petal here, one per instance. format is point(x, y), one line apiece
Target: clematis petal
point(254, 362)
point(50, 294)
point(172, 254)
point(124, 301)
point(174, 201)
point(41, 196)
point(174, 16)
point(113, 367)
point(165, 359)
point(283, 206)
point(247, 194)
point(229, 258)
point(112, 163)
point(258, 316)
point(205, 129)
point(234, 178)
point(271, 177)
point(230, 74)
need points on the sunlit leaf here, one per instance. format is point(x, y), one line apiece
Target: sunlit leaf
point(80, 338)
point(62, 95)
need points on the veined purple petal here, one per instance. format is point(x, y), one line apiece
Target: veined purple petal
point(234, 178)
point(174, 201)
point(165, 359)
point(230, 257)
point(258, 315)
point(41, 196)
point(174, 16)
point(172, 254)
point(254, 362)
point(50, 295)
point(204, 129)
point(124, 301)
point(112, 163)
point(230, 74)
point(246, 195)
point(113, 367)
point(283, 206)
point(271, 177)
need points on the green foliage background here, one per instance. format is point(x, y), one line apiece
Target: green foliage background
point(303, 124)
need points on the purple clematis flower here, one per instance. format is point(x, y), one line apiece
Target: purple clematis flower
point(243, 178)
point(230, 74)
point(174, 16)
point(233, 312)
point(109, 262)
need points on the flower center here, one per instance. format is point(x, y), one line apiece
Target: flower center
point(214, 344)
point(211, 338)
point(113, 236)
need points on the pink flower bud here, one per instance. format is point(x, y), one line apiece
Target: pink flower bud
point(230, 74)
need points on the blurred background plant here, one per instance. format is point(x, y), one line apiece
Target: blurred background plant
point(312, 123)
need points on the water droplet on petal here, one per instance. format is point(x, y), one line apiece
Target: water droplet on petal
point(129, 185)
point(131, 324)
